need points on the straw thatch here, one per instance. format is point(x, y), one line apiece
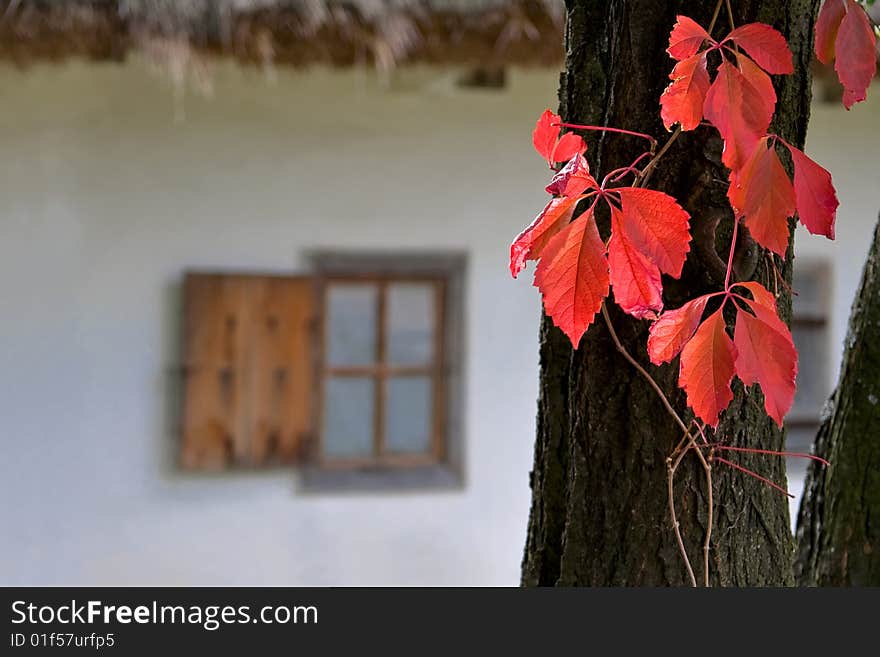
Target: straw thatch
point(384, 33)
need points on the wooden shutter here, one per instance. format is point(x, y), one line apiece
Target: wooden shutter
point(248, 370)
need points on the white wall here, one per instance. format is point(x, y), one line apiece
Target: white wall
point(105, 199)
point(848, 145)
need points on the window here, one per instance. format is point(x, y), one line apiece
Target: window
point(810, 331)
point(353, 371)
point(389, 405)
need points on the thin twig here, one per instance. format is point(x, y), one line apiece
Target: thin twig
point(710, 513)
point(773, 452)
point(730, 256)
point(714, 17)
point(755, 475)
point(710, 502)
point(730, 15)
point(599, 128)
point(670, 475)
point(673, 461)
point(650, 166)
point(641, 370)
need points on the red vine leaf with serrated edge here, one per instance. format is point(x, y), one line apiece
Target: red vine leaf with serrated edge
point(765, 353)
point(671, 332)
point(814, 195)
point(529, 244)
point(765, 46)
point(741, 111)
point(827, 26)
point(573, 276)
point(707, 369)
point(762, 193)
point(546, 141)
point(657, 225)
point(634, 278)
point(686, 39)
point(573, 179)
point(844, 33)
point(683, 100)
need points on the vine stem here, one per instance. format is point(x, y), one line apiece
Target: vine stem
point(714, 16)
point(672, 462)
point(598, 128)
point(754, 474)
point(730, 256)
point(730, 15)
point(670, 477)
point(710, 501)
point(641, 370)
point(772, 452)
point(649, 167)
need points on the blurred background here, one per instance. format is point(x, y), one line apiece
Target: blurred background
point(258, 326)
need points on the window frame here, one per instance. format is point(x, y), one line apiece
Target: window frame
point(443, 466)
point(821, 270)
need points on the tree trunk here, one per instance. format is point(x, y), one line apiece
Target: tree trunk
point(839, 519)
point(599, 511)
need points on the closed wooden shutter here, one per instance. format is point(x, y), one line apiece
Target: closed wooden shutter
point(248, 370)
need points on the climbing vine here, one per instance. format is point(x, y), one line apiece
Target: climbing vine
point(724, 85)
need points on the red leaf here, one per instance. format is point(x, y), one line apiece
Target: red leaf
point(671, 332)
point(762, 193)
point(635, 279)
point(759, 94)
point(529, 244)
point(814, 195)
point(568, 146)
point(686, 38)
point(826, 28)
point(657, 226)
point(765, 45)
point(573, 179)
point(740, 108)
point(545, 134)
point(856, 54)
point(707, 367)
point(765, 354)
point(573, 276)
point(682, 101)
point(762, 296)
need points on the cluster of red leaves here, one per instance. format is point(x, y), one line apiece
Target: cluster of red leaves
point(740, 103)
point(761, 351)
point(649, 236)
point(650, 231)
point(844, 34)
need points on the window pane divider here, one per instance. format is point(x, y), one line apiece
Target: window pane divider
point(381, 370)
point(381, 377)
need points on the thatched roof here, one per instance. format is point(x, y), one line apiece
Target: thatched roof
point(384, 33)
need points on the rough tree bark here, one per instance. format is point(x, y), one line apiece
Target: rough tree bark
point(839, 518)
point(599, 511)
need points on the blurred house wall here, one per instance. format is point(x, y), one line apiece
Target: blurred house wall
point(106, 196)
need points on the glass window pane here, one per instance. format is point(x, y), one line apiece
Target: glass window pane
point(348, 417)
point(812, 384)
point(411, 323)
point(408, 415)
point(810, 285)
point(351, 324)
